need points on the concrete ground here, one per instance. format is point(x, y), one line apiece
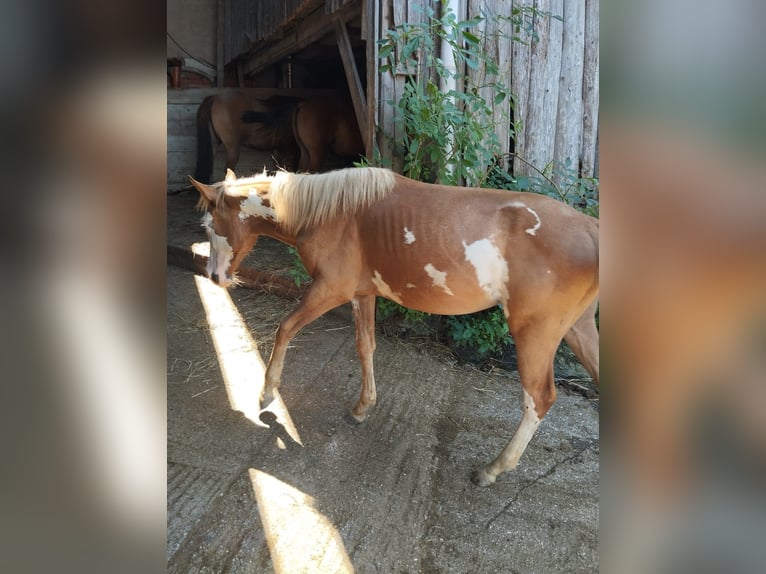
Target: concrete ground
point(301, 490)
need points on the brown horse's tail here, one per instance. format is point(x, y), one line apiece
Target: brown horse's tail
point(205, 156)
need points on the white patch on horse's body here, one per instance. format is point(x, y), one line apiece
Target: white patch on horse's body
point(491, 268)
point(253, 206)
point(409, 237)
point(410, 286)
point(532, 230)
point(221, 253)
point(439, 278)
point(384, 289)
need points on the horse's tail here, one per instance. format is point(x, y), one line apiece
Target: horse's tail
point(205, 156)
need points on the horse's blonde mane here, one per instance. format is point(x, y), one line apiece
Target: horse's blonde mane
point(303, 201)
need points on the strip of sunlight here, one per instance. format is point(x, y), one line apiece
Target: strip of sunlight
point(202, 248)
point(241, 364)
point(300, 538)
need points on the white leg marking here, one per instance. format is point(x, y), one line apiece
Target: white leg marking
point(384, 289)
point(409, 237)
point(509, 458)
point(529, 423)
point(491, 268)
point(439, 278)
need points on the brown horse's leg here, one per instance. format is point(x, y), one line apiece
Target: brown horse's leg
point(309, 129)
point(535, 345)
point(315, 303)
point(232, 154)
point(582, 338)
point(364, 319)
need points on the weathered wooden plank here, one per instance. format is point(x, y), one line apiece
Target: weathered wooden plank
point(371, 21)
point(521, 56)
point(497, 46)
point(352, 75)
point(545, 67)
point(590, 90)
point(314, 27)
point(182, 120)
point(568, 141)
point(387, 130)
point(182, 143)
point(220, 35)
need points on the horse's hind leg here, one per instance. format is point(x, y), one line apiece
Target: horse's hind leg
point(582, 338)
point(315, 303)
point(232, 154)
point(364, 320)
point(535, 347)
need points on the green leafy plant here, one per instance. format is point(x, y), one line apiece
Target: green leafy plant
point(387, 309)
point(298, 272)
point(449, 135)
point(486, 332)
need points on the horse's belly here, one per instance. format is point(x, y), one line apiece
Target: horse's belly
point(432, 290)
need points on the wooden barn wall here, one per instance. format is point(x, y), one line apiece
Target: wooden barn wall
point(553, 77)
point(248, 22)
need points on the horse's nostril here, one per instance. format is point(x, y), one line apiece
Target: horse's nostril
point(214, 277)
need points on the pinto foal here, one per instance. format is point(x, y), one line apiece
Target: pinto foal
point(367, 232)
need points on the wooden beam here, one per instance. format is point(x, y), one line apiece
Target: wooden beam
point(352, 77)
point(313, 28)
point(370, 23)
point(221, 31)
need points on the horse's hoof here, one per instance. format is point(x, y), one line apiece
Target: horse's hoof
point(352, 420)
point(481, 478)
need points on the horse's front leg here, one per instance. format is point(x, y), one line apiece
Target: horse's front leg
point(364, 320)
point(315, 303)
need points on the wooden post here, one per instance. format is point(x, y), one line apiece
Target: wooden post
point(545, 67)
point(569, 122)
point(220, 32)
point(352, 75)
point(371, 34)
point(590, 90)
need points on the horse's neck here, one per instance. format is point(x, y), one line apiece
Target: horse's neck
point(273, 230)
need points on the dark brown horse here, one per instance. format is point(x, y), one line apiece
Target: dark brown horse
point(318, 125)
point(219, 119)
point(305, 129)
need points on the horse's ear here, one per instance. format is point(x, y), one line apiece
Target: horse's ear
point(230, 176)
point(207, 192)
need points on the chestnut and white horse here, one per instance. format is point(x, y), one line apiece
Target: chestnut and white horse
point(367, 232)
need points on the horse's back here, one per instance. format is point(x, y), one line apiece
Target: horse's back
point(457, 250)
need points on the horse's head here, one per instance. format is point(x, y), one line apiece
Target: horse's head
point(230, 240)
